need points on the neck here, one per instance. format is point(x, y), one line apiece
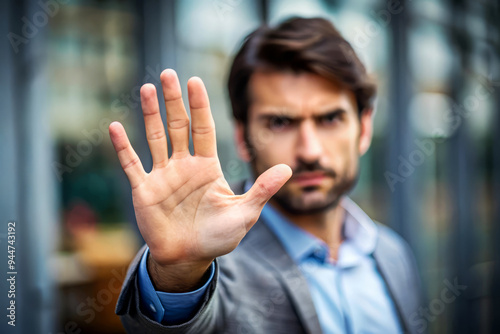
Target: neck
point(326, 226)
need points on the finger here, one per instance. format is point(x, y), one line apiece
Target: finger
point(155, 132)
point(129, 160)
point(266, 185)
point(202, 122)
point(177, 118)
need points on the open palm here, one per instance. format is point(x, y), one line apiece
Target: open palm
point(185, 210)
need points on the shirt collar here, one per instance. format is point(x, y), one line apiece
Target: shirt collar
point(298, 243)
point(360, 235)
point(359, 228)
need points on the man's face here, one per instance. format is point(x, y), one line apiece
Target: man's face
point(312, 125)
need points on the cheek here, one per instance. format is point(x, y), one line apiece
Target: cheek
point(351, 155)
point(341, 148)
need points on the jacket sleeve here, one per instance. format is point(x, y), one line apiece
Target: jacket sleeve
point(136, 321)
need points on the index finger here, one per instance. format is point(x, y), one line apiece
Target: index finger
point(129, 160)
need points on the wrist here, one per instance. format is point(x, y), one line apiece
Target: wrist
point(179, 277)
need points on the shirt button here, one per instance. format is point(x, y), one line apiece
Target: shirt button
point(152, 307)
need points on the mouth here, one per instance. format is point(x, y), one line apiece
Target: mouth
point(309, 179)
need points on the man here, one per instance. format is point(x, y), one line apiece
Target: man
point(308, 261)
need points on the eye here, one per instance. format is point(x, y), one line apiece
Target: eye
point(279, 123)
point(330, 118)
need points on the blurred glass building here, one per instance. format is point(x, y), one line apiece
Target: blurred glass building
point(70, 67)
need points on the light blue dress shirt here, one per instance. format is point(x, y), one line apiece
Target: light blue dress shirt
point(350, 295)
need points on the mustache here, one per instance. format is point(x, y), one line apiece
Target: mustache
point(315, 166)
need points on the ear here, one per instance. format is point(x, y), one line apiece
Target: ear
point(366, 131)
point(241, 144)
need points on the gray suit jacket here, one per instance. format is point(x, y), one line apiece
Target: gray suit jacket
point(258, 288)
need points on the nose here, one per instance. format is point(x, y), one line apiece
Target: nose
point(309, 148)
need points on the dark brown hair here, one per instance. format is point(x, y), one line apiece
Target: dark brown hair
point(301, 45)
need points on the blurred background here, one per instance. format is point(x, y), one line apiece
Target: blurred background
point(70, 67)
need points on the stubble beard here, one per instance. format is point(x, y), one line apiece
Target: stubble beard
point(296, 203)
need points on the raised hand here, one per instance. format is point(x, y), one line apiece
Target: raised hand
point(185, 210)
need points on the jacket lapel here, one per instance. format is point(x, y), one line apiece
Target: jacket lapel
point(267, 247)
point(388, 262)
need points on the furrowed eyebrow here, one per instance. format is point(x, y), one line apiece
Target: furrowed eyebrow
point(329, 112)
point(268, 116)
point(334, 112)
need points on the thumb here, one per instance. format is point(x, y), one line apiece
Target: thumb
point(266, 185)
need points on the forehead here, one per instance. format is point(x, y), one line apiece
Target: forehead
point(297, 94)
